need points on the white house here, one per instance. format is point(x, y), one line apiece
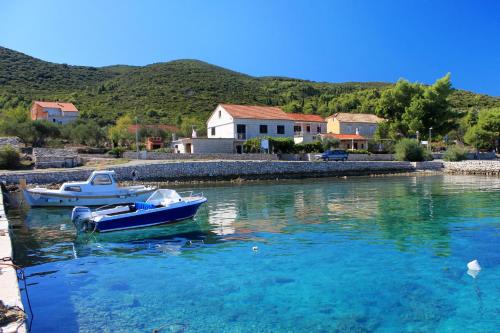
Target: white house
point(243, 122)
point(307, 127)
point(56, 112)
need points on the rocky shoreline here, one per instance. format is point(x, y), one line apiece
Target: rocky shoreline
point(168, 171)
point(473, 167)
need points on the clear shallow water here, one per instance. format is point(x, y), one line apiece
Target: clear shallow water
point(358, 255)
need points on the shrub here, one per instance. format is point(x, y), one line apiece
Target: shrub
point(276, 145)
point(117, 152)
point(381, 147)
point(282, 145)
point(411, 150)
point(311, 147)
point(9, 158)
point(358, 151)
point(455, 153)
point(330, 143)
point(167, 150)
point(252, 145)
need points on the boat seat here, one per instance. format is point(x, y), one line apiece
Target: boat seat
point(144, 206)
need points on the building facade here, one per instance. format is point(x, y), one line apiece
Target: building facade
point(56, 112)
point(307, 127)
point(243, 122)
point(352, 129)
point(363, 124)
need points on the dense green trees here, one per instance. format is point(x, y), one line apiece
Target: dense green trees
point(414, 107)
point(484, 132)
point(16, 122)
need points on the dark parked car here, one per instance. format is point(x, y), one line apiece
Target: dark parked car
point(333, 155)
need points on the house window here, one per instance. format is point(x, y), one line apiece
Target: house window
point(101, 180)
point(297, 128)
point(318, 129)
point(280, 129)
point(308, 128)
point(212, 131)
point(220, 113)
point(241, 131)
point(263, 129)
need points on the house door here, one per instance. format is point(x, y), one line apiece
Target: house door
point(238, 149)
point(188, 148)
point(355, 145)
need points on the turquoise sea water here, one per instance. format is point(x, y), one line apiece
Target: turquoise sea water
point(384, 254)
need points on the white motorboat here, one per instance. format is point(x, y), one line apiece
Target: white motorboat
point(100, 189)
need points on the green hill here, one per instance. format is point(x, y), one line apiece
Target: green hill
point(171, 91)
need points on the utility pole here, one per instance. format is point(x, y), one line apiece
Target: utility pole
point(430, 139)
point(137, 136)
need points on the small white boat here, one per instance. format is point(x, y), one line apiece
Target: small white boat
point(100, 189)
point(163, 206)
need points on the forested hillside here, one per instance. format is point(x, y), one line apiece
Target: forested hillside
point(182, 90)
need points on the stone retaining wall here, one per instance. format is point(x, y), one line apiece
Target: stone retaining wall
point(151, 155)
point(55, 158)
point(213, 170)
point(473, 167)
point(13, 141)
point(9, 287)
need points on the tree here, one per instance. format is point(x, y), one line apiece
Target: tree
point(485, 134)
point(411, 107)
point(120, 134)
point(86, 132)
point(16, 122)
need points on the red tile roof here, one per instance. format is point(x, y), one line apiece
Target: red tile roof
point(168, 128)
point(255, 112)
point(306, 117)
point(344, 136)
point(67, 107)
point(356, 117)
point(267, 113)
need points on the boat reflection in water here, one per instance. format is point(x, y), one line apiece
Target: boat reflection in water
point(47, 234)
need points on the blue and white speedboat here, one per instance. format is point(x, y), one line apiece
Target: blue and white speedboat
point(163, 206)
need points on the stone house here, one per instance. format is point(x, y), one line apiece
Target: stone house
point(56, 112)
point(352, 129)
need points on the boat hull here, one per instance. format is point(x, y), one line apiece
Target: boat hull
point(149, 218)
point(39, 199)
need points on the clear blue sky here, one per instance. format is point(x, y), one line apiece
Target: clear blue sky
point(333, 41)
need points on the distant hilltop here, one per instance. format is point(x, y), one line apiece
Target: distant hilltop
point(181, 90)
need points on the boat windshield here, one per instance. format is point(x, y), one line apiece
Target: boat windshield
point(164, 196)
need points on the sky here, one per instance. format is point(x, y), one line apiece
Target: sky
point(333, 41)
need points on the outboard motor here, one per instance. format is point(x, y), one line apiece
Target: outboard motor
point(81, 218)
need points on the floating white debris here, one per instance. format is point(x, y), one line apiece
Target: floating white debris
point(473, 268)
point(472, 273)
point(63, 227)
point(255, 249)
point(474, 265)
